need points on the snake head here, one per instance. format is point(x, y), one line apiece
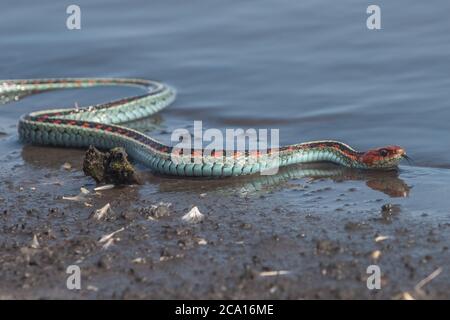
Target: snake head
point(383, 158)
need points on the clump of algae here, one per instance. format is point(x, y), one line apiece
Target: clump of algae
point(110, 167)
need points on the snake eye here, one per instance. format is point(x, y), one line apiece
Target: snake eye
point(383, 152)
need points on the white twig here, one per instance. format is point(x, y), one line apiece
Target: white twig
point(80, 197)
point(274, 273)
point(108, 244)
point(381, 238)
point(423, 282)
point(105, 187)
point(109, 236)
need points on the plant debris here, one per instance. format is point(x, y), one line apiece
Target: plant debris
point(110, 167)
point(156, 211)
point(139, 260)
point(80, 197)
point(110, 236)
point(418, 287)
point(406, 295)
point(381, 238)
point(108, 243)
point(193, 216)
point(102, 212)
point(105, 187)
point(35, 243)
point(274, 273)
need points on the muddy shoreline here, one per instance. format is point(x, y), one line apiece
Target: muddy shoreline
point(295, 66)
point(258, 245)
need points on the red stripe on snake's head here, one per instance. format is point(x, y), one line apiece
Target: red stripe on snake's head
point(383, 157)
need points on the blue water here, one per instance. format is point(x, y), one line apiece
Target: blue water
point(309, 68)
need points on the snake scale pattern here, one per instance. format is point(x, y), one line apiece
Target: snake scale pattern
point(99, 125)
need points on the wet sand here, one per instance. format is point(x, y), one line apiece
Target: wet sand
point(323, 231)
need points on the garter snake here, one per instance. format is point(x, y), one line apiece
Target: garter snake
point(99, 125)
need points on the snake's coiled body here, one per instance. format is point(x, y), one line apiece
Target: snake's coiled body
point(99, 126)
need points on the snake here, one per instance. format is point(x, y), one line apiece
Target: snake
point(104, 126)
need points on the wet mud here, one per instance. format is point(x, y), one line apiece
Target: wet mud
point(298, 235)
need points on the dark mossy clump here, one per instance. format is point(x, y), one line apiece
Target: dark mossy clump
point(109, 167)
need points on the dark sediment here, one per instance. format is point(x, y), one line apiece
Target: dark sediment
point(235, 253)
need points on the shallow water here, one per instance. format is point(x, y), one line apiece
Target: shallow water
point(314, 71)
point(311, 70)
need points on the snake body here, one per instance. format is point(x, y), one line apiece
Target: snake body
point(99, 125)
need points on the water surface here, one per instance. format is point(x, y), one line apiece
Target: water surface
point(312, 71)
